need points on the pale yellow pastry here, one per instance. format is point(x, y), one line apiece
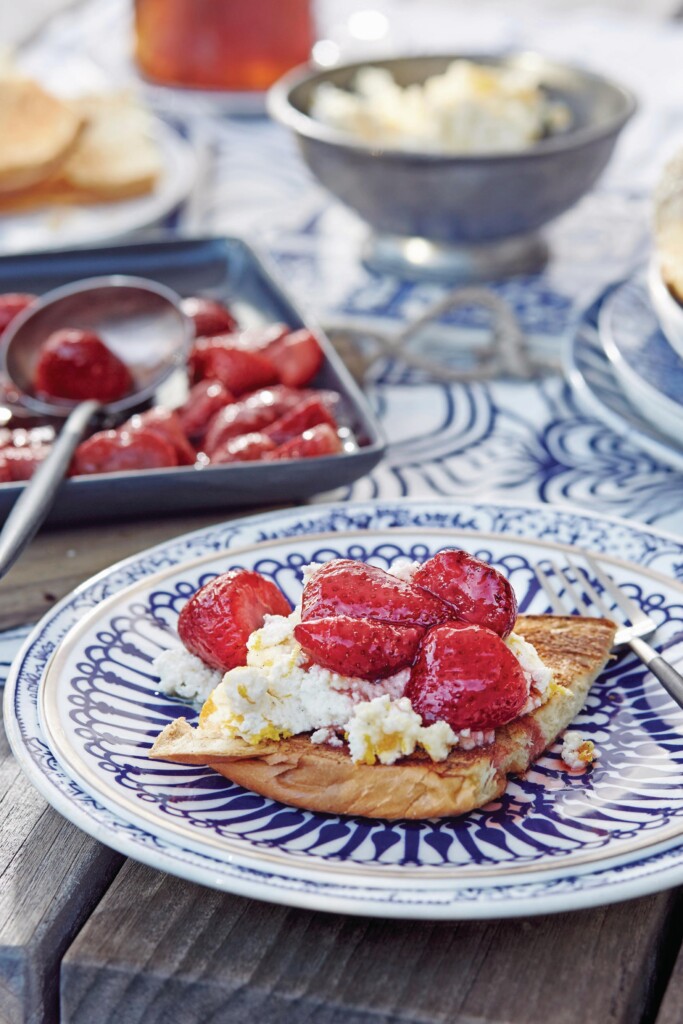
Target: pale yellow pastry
point(38, 131)
point(113, 157)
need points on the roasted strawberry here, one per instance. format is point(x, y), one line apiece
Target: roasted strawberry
point(205, 399)
point(259, 339)
point(245, 448)
point(249, 414)
point(114, 451)
point(297, 357)
point(77, 365)
point(208, 316)
point(237, 369)
point(22, 462)
point(475, 591)
point(217, 621)
point(345, 587)
point(167, 424)
point(11, 305)
point(358, 647)
point(307, 414)
point(466, 675)
point(5, 475)
point(320, 440)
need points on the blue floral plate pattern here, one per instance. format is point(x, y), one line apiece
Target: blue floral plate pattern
point(82, 709)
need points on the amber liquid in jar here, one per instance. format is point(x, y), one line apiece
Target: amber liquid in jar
point(221, 44)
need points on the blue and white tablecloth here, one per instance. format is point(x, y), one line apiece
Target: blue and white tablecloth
point(504, 439)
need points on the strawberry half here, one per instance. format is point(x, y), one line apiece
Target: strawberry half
point(203, 402)
point(475, 591)
point(309, 413)
point(320, 440)
point(251, 413)
point(245, 448)
point(358, 647)
point(208, 316)
point(217, 621)
point(344, 587)
point(166, 424)
point(466, 676)
point(238, 370)
point(297, 357)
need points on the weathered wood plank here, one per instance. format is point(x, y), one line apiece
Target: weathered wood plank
point(671, 1009)
point(51, 877)
point(58, 560)
point(163, 951)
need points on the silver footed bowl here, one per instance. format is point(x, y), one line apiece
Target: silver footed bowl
point(464, 216)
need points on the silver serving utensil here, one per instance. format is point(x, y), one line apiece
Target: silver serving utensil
point(140, 321)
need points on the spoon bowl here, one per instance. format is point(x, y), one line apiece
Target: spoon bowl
point(139, 320)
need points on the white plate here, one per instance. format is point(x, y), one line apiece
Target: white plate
point(553, 841)
point(599, 394)
point(63, 226)
point(669, 311)
point(648, 369)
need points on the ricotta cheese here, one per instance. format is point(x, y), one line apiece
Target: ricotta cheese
point(279, 694)
point(384, 730)
point(577, 752)
point(182, 674)
point(470, 108)
point(538, 675)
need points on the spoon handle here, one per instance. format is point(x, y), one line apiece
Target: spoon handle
point(35, 502)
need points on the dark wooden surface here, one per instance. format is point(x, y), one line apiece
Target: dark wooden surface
point(59, 560)
point(141, 946)
point(163, 951)
point(51, 877)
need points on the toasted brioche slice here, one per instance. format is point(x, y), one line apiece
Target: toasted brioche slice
point(37, 131)
point(323, 778)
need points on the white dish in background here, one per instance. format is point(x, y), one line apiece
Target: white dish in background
point(648, 369)
point(552, 842)
point(599, 393)
point(669, 311)
point(57, 227)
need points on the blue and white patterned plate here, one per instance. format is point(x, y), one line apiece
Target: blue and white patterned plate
point(649, 370)
point(553, 841)
point(599, 393)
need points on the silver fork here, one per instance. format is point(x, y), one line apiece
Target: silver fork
point(579, 596)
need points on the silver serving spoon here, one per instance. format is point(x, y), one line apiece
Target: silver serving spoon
point(140, 321)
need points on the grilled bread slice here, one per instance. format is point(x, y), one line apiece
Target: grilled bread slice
point(324, 778)
point(38, 131)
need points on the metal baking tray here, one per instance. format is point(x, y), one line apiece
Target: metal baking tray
point(226, 269)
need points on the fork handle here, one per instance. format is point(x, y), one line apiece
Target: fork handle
point(671, 680)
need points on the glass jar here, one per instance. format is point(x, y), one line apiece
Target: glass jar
point(221, 44)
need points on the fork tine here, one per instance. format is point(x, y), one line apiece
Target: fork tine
point(580, 602)
point(594, 598)
point(554, 600)
point(631, 610)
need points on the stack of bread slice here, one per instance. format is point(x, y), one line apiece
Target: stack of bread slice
point(88, 150)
